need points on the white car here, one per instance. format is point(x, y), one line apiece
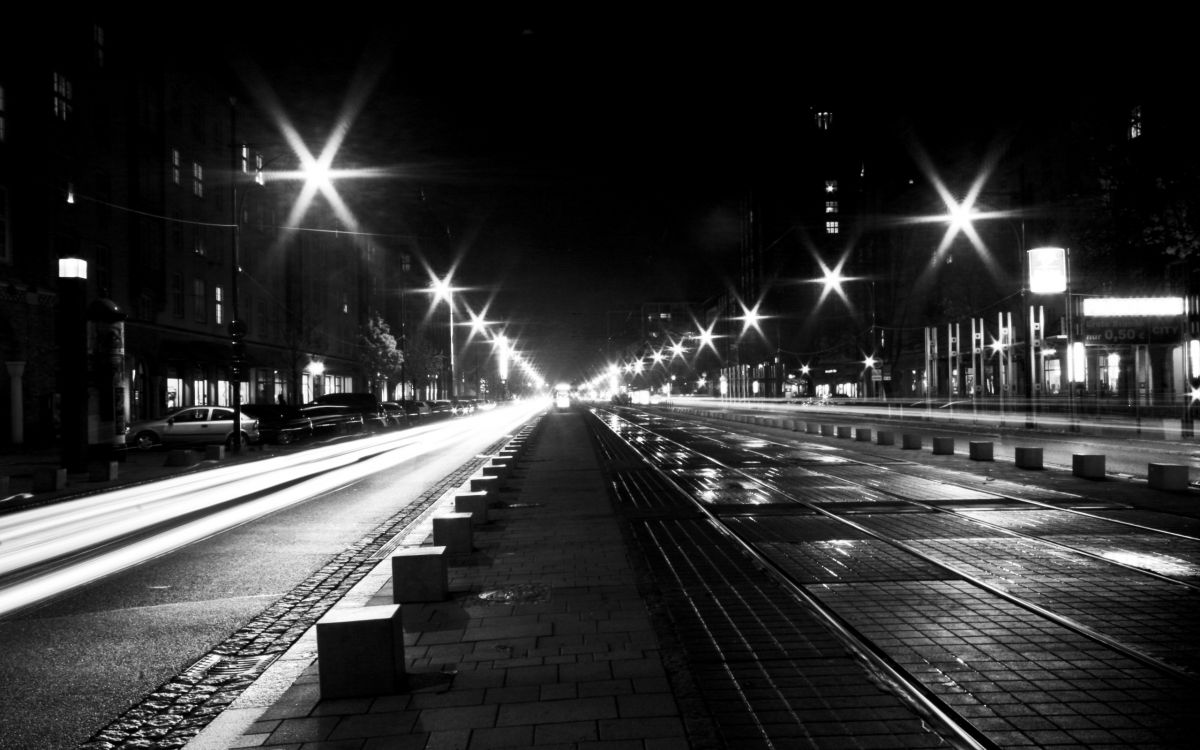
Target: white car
point(193, 425)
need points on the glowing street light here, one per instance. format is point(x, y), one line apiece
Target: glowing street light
point(443, 291)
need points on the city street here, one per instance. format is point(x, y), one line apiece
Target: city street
point(116, 594)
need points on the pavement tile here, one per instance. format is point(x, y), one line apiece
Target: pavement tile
point(449, 739)
point(575, 709)
point(372, 725)
point(501, 737)
point(457, 717)
point(313, 729)
point(447, 699)
point(565, 732)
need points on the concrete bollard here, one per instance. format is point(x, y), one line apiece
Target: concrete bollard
point(981, 450)
point(500, 471)
point(910, 441)
point(862, 434)
point(943, 446)
point(475, 503)
point(1028, 458)
point(102, 471)
point(419, 574)
point(795, 425)
point(360, 651)
point(827, 430)
point(843, 431)
point(1088, 465)
point(812, 428)
point(180, 457)
point(885, 437)
point(453, 531)
point(485, 484)
point(1171, 477)
point(49, 479)
point(214, 452)
point(3, 484)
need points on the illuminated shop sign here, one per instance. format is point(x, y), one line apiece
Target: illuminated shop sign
point(1132, 320)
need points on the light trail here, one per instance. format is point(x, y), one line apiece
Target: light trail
point(41, 536)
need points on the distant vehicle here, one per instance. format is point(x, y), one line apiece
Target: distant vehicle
point(562, 396)
point(425, 408)
point(279, 424)
point(441, 407)
point(333, 419)
point(462, 406)
point(375, 417)
point(193, 425)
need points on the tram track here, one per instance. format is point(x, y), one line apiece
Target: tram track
point(704, 472)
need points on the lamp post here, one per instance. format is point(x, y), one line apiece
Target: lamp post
point(72, 341)
point(443, 291)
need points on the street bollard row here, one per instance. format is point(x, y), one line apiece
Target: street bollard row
point(360, 649)
point(1160, 476)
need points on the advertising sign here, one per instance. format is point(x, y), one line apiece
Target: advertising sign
point(1047, 270)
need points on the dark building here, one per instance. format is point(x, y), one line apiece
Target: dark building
point(153, 165)
point(863, 287)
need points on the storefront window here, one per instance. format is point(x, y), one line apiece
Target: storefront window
point(1052, 376)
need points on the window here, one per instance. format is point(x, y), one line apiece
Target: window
point(831, 207)
point(245, 158)
point(823, 120)
point(2, 114)
point(258, 169)
point(199, 301)
point(62, 97)
point(198, 242)
point(831, 186)
point(1135, 122)
point(175, 166)
point(177, 295)
point(831, 227)
point(197, 179)
point(98, 38)
point(219, 304)
point(5, 245)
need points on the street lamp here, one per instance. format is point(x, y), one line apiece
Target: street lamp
point(443, 291)
point(72, 337)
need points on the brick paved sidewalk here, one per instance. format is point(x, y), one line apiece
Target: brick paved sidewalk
point(545, 640)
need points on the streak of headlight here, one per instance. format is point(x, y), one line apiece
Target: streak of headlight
point(343, 466)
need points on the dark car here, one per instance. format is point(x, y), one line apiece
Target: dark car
point(397, 414)
point(441, 408)
point(278, 423)
point(333, 419)
point(375, 417)
point(411, 408)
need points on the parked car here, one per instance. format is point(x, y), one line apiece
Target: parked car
point(333, 419)
point(193, 425)
point(280, 424)
point(375, 417)
point(441, 408)
point(424, 407)
point(397, 415)
point(412, 409)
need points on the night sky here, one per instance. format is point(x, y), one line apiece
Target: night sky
point(584, 166)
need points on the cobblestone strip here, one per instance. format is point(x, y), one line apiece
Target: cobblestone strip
point(181, 707)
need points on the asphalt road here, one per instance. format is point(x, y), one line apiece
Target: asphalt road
point(70, 666)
